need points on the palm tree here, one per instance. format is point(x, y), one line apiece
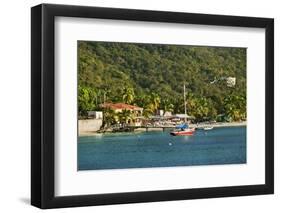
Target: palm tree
point(235, 107)
point(106, 92)
point(128, 95)
point(98, 97)
point(109, 117)
point(167, 106)
point(154, 101)
point(148, 110)
point(125, 116)
point(141, 100)
point(198, 107)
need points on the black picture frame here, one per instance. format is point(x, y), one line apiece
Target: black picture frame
point(43, 102)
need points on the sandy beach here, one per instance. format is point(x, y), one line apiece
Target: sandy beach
point(220, 124)
point(200, 125)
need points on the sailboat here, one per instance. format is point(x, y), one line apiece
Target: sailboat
point(183, 129)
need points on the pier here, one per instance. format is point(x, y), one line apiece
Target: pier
point(153, 128)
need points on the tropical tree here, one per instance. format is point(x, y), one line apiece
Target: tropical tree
point(167, 106)
point(109, 117)
point(124, 116)
point(98, 97)
point(199, 107)
point(86, 99)
point(202, 111)
point(154, 102)
point(178, 104)
point(148, 110)
point(128, 95)
point(144, 68)
point(235, 107)
point(142, 100)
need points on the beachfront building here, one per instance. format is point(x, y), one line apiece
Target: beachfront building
point(182, 118)
point(119, 107)
point(95, 114)
point(163, 113)
point(136, 111)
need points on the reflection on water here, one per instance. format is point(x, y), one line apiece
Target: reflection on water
point(160, 149)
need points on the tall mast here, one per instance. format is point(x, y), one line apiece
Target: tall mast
point(184, 98)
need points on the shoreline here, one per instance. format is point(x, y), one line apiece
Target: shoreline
point(220, 124)
point(140, 130)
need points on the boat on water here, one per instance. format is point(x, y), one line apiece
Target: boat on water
point(183, 130)
point(206, 128)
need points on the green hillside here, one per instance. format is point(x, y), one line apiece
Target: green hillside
point(152, 76)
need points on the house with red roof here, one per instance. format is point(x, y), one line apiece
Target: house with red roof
point(119, 107)
point(137, 118)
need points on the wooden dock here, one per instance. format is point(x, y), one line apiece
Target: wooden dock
point(147, 128)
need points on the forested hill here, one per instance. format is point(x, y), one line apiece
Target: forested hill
point(112, 69)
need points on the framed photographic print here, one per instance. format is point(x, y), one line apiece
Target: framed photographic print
point(139, 106)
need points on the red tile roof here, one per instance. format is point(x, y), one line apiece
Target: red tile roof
point(120, 106)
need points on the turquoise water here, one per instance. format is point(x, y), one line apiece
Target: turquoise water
point(225, 145)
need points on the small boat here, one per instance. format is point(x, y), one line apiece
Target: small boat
point(205, 128)
point(183, 130)
point(208, 128)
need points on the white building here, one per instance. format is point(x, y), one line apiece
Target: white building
point(230, 81)
point(95, 114)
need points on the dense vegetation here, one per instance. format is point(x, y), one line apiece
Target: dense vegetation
point(152, 76)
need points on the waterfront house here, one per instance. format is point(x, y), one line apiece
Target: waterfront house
point(120, 107)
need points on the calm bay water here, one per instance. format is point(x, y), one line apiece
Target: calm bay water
point(224, 145)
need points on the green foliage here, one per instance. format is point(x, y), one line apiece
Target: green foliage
point(235, 107)
point(125, 116)
point(86, 99)
point(154, 102)
point(152, 76)
point(167, 105)
point(128, 95)
point(110, 117)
